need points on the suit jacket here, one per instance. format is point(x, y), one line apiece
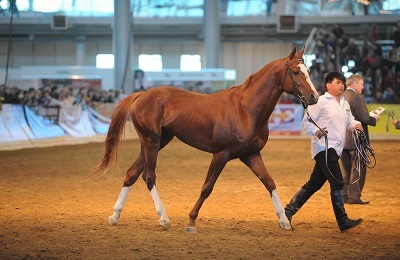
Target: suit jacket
point(360, 113)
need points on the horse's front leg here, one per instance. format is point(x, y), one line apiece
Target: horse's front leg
point(217, 165)
point(256, 165)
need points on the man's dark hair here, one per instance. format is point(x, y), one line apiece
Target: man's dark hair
point(334, 75)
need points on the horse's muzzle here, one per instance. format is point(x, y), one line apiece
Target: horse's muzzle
point(313, 100)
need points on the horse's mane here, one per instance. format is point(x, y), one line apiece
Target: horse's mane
point(246, 83)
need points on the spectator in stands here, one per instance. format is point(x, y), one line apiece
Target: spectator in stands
point(388, 80)
point(373, 34)
point(54, 91)
point(47, 100)
point(96, 96)
point(31, 98)
point(107, 96)
point(2, 93)
point(81, 96)
point(337, 30)
point(388, 95)
point(118, 96)
point(13, 95)
point(393, 57)
point(110, 96)
point(66, 95)
point(322, 32)
point(352, 52)
point(377, 78)
point(396, 35)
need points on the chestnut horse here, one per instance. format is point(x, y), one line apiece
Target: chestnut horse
point(230, 124)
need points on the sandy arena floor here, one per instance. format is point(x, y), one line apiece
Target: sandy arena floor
point(49, 209)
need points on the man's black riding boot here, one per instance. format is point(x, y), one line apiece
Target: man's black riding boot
point(296, 203)
point(343, 221)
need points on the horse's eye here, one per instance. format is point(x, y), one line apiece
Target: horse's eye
point(296, 72)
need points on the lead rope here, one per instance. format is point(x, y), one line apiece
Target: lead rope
point(387, 123)
point(325, 133)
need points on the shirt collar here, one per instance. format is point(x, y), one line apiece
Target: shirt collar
point(328, 95)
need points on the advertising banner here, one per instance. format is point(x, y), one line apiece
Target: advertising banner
point(286, 119)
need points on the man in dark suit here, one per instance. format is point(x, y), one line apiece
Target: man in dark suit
point(351, 173)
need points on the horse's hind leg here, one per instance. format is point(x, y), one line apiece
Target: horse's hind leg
point(256, 165)
point(149, 177)
point(131, 177)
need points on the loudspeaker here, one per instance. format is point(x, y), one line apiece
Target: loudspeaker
point(59, 22)
point(287, 24)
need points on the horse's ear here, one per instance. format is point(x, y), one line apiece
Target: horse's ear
point(302, 51)
point(291, 55)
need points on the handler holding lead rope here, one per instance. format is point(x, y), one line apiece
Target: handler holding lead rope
point(354, 157)
point(331, 116)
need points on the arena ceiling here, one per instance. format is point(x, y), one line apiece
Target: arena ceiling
point(237, 29)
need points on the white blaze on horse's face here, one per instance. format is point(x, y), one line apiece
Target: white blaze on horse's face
point(304, 69)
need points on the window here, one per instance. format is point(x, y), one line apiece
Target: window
point(105, 61)
point(150, 62)
point(190, 62)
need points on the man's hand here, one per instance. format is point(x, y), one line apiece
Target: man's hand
point(320, 133)
point(358, 127)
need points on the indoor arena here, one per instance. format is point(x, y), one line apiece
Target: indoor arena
point(199, 129)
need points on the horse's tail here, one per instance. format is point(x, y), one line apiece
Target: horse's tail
point(113, 139)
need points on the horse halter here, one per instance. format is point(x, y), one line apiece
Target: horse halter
point(299, 94)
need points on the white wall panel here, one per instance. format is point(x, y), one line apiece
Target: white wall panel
point(244, 57)
point(44, 54)
point(21, 54)
point(248, 58)
point(171, 54)
point(64, 54)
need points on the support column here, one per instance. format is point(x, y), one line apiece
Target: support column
point(80, 52)
point(212, 32)
point(122, 46)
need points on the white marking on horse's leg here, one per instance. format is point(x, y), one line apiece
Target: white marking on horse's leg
point(160, 209)
point(280, 211)
point(119, 205)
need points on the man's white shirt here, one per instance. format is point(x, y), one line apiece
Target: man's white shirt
point(336, 117)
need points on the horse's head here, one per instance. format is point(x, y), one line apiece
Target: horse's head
point(298, 83)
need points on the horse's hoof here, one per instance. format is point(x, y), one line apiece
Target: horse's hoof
point(191, 230)
point(164, 224)
point(286, 226)
point(112, 221)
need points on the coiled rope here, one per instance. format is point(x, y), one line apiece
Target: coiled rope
point(365, 155)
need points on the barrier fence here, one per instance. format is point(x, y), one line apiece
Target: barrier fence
point(23, 123)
